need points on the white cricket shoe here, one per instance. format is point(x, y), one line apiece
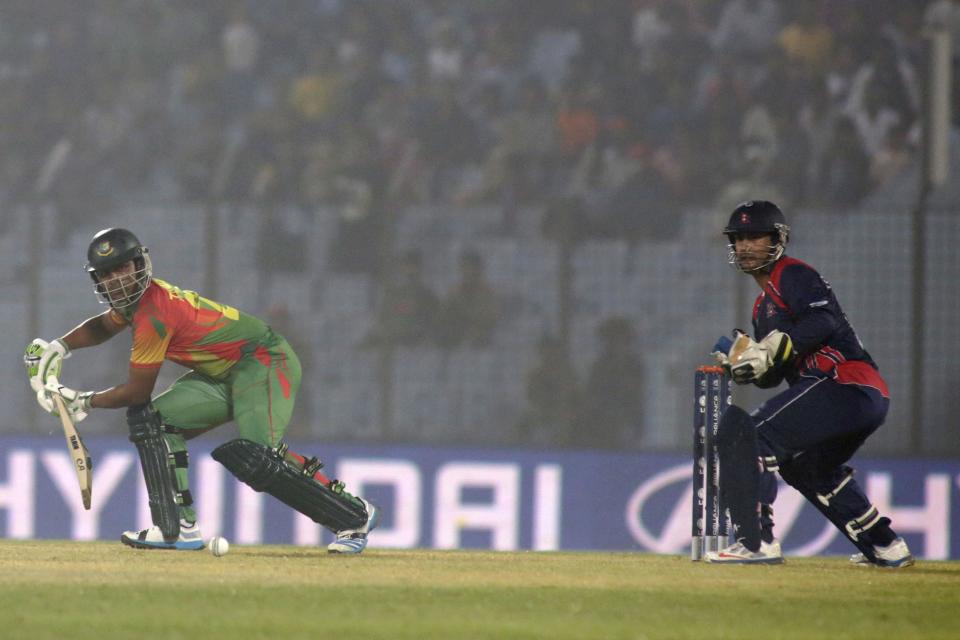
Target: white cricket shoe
point(895, 555)
point(355, 540)
point(189, 540)
point(736, 553)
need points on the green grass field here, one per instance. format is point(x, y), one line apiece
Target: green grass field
point(103, 590)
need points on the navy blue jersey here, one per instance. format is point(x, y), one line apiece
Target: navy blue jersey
point(800, 303)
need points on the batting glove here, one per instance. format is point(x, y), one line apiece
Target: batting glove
point(44, 360)
point(77, 402)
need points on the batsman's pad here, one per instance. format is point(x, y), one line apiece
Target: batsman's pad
point(265, 469)
point(740, 464)
point(146, 432)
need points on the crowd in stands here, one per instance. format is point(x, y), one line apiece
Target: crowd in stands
point(634, 107)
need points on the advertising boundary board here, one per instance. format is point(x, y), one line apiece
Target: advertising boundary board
point(466, 498)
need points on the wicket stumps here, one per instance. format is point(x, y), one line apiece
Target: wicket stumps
point(710, 530)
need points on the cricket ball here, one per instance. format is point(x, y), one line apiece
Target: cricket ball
point(219, 546)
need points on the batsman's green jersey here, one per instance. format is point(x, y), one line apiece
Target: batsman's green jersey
point(241, 370)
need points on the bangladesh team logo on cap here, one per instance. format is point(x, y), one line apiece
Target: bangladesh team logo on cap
point(104, 249)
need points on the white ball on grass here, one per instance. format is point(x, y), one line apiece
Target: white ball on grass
point(219, 546)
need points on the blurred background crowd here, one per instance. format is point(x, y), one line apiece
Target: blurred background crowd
point(491, 178)
point(631, 107)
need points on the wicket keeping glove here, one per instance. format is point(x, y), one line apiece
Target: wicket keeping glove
point(726, 349)
point(77, 402)
point(44, 359)
point(761, 359)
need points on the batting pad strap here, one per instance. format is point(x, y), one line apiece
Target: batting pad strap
point(264, 469)
point(146, 433)
point(770, 463)
point(826, 498)
point(181, 459)
point(860, 525)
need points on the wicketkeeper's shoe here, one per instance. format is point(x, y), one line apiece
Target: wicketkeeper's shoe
point(769, 553)
point(355, 540)
point(895, 555)
point(189, 540)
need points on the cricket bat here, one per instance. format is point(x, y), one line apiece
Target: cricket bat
point(78, 451)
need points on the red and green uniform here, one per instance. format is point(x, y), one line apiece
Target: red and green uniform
point(240, 369)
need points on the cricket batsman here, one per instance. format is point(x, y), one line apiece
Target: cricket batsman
point(834, 400)
point(240, 370)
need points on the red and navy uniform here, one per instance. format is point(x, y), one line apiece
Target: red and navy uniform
point(800, 303)
point(836, 398)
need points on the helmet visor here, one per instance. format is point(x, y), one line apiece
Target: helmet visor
point(752, 259)
point(123, 288)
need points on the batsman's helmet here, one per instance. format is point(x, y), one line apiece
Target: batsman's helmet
point(109, 249)
point(758, 217)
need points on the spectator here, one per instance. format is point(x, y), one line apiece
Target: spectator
point(846, 171)
point(578, 122)
point(747, 27)
point(883, 92)
point(892, 158)
point(817, 118)
point(447, 137)
point(873, 119)
point(553, 397)
point(613, 402)
point(650, 32)
point(550, 53)
point(445, 57)
point(468, 315)
point(758, 133)
point(806, 40)
point(241, 49)
point(752, 178)
point(399, 56)
point(315, 95)
point(528, 142)
point(407, 310)
point(357, 181)
point(841, 74)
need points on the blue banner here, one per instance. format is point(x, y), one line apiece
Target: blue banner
point(461, 498)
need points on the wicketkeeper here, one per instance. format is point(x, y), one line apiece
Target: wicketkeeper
point(809, 431)
point(240, 370)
